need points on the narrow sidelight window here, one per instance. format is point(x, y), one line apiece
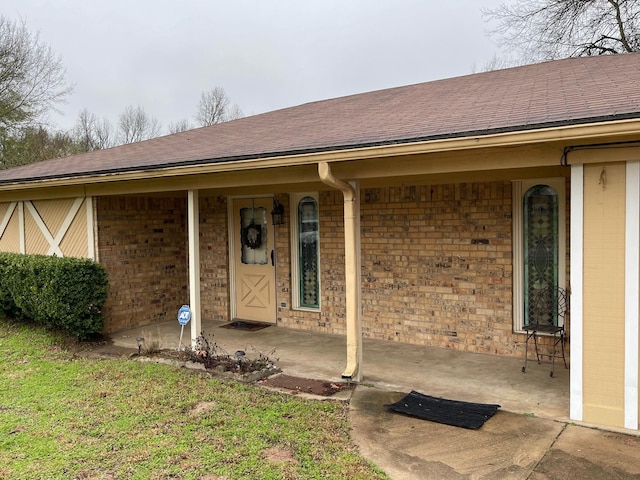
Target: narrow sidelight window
point(306, 261)
point(539, 246)
point(540, 213)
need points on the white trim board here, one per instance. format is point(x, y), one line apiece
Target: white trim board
point(576, 395)
point(631, 296)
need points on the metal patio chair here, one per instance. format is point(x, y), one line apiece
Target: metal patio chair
point(548, 312)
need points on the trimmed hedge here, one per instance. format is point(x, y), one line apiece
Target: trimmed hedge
point(66, 293)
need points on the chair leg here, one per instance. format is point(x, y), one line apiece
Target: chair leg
point(554, 345)
point(563, 339)
point(559, 339)
point(526, 351)
point(535, 343)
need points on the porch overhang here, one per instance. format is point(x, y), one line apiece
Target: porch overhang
point(434, 157)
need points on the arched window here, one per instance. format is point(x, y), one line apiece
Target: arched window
point(540, 224)
point(306, 238)
point(539, 243)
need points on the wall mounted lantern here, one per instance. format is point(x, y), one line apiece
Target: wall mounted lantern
point(277, 214)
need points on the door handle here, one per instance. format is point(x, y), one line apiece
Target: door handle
point(273, 258)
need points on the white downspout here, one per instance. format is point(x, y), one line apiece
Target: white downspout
point(353, 369)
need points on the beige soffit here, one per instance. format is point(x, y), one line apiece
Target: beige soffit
point(573, 133)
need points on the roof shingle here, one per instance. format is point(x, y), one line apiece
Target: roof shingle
point(569, 91)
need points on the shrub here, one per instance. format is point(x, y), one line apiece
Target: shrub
point(66, 293)
point(7, 305)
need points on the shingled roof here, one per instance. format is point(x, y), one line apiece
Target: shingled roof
point(562, 92)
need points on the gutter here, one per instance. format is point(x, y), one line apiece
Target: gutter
point(564, 160)
point(437, 143)
point(353, 370)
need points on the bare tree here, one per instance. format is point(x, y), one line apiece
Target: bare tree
point(32, 78)
point(234, 112)
point(103, 133)
point(180, 126)
point(91, 133)
point(550, 29)
point(215, 107)
point(497, 63)
point(135, 125)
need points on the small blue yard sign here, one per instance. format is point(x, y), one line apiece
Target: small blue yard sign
point(184, 315)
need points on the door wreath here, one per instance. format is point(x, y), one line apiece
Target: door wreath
point(252, 236)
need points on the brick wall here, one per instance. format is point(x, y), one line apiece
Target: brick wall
point(214, 259)
point(142, 243)
point(436, 266)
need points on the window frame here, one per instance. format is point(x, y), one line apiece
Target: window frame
point(296, 198)
point(519, 189)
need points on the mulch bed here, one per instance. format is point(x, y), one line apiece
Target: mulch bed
point(305, 385)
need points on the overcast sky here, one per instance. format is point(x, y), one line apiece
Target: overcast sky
point(266, 54)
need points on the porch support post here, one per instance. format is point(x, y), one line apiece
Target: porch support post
point(632, 300)
point(193, 220)
point(91, 229)
point(351, 194)
point(577, 259)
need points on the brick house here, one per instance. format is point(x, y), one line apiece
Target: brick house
point(424, 214)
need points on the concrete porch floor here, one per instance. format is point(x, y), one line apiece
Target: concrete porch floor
point(388, 365)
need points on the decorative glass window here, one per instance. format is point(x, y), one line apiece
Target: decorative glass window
point(539, 244)
point(306, 258)
point(253, 235)
point(540, 247)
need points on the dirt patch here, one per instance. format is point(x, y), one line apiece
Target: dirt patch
point(279, 454)
point(305, 385)
point(202, 407)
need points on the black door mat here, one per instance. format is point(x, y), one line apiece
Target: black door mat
point(246, 325)
point(441, 410)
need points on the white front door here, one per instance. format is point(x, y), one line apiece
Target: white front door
point(253, 242)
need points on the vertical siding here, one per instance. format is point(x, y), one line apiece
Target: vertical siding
point(603, 318)
point(9, 228)
point(75, 242)
point(45, 220)
point(11, 239)
point(35, 241)
point(53, 212)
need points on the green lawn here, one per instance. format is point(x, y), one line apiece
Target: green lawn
point(63, 417)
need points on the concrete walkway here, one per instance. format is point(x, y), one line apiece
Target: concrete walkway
point(508, 446)
point(530, 437)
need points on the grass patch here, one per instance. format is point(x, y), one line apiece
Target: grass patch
point(63, 417)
